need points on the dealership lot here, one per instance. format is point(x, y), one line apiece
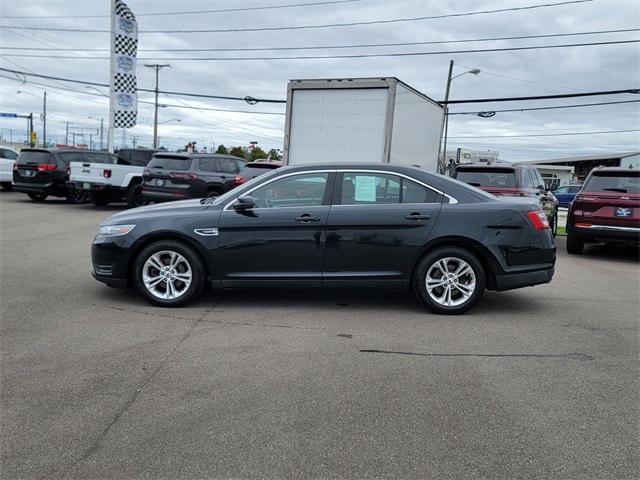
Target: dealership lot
point(96, 383)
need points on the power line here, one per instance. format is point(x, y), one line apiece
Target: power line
point(304, 27)
point(329, 47)
point(257, 100)
point(547, 108)
point(550, 134)
point(327, 57)
point(198, 12)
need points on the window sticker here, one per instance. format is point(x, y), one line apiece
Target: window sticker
point(365, 189)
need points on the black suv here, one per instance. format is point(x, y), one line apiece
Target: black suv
point(42, 172)
point(176, 176)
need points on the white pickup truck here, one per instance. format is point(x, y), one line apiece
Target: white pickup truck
point(112, 182)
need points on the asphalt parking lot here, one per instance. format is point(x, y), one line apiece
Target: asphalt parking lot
point(535, 383)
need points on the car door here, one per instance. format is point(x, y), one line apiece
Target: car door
point(377, 225)
point(280, 241)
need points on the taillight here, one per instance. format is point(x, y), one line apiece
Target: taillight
point(46, 167)
point(15, 167)
point(183, 174)
point(239, 180)
point(538, 219)
point(106, 173)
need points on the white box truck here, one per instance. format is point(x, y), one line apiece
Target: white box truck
point(361, 120)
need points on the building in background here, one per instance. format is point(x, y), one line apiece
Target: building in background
point(466, 155)
point(583, 165)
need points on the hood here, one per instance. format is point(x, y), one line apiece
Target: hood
point(179, 208)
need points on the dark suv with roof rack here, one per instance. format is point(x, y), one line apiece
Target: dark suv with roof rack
point(176, 176)
point(607, 209)
point(43, 172)
point(509, 180)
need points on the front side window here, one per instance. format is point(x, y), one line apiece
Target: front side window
point(379, 188)
point(305, 190)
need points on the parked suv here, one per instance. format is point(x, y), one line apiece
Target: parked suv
point(566, 194)
point(257, 168)
point(43, 172)
point(7, 159)
point(607, 209)
point(503, 179)
point(176, 176)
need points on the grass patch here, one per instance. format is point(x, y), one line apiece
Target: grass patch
point(561, 230)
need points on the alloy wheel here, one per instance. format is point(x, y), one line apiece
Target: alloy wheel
point(167, 275)
point(450, 282)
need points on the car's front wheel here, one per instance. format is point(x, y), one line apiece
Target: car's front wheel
point(6, 186)
point(449, 280)
point(169, 273)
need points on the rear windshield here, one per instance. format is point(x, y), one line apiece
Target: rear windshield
point(488, 177)
point(622, 182)
point(31, 157)
point(170, 163)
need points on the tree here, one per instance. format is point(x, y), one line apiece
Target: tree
point(237, 152)
point(222, 149)
point(257, 154)
point(274, 154)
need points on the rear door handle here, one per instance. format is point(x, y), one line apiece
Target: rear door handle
point(417, 216)
point(307, 218)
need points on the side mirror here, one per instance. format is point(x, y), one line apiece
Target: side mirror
point(242, 204)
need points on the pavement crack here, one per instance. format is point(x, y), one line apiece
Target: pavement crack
point(570, 356)
point(95, 445)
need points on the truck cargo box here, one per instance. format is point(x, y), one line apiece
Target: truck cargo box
point(361, 120)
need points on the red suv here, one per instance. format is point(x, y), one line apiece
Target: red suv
point(606, 209)
point(504, 179)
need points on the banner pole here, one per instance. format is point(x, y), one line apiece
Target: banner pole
point(112, 70)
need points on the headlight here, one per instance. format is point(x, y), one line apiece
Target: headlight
point(115, 230)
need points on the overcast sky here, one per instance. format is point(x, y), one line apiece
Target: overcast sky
point(513, 73)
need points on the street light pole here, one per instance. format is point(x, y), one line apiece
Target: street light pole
point(157, 68)
point(473, 71)
point(44, 122)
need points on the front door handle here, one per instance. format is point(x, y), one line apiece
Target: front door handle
point(417, 216)
point(306, 218)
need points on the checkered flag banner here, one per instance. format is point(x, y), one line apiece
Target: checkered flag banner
point(124, 50)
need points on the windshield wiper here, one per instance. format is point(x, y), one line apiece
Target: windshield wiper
point(621, 190)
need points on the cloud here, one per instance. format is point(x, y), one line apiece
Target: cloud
point(515, 73)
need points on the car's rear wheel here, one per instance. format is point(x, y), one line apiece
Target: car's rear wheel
point(169, 273)
point(575, 245)
point(134, 196)
point(38, 197)
point(76, 196)
point(6, 186)
point(449, 280)
point(100, 199)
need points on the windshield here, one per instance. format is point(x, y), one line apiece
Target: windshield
point(488, 177)
point(622, 182)
point(170, 163)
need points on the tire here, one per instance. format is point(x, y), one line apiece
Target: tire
point(6, 186)
point(554, 223)
point(436, 299)
point(77, 197)
point(100, 200)
point(575, 246)
point(212, 193)
point(134, 196)
point(188, 262)
point(38, 197)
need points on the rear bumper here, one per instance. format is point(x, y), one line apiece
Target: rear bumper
point(595, 233)
point(94, 187)
point(46, 188)
point(523, 279)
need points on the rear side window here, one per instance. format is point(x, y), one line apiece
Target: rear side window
point(210, 165)
point(228, 165)
point(488, 177)
point(8, 154)
point(375, 189)
point(170, 163)
point(620, 182)
point(28, 158)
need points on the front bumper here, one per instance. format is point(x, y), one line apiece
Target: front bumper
point(523, 279)
point(110, 263)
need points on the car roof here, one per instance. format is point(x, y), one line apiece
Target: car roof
point(63, 150)
point(614, 170)
point(489, 165)
point(186, 155)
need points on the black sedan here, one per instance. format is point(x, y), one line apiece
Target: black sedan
point(332, 225)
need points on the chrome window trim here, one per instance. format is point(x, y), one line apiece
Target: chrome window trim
point(452, 200)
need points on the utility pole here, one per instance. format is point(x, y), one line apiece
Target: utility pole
point(44, 122)
point(66, 136)
point(157, 68)
point(31, 142)
point(101, 131)
point(443, 162)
